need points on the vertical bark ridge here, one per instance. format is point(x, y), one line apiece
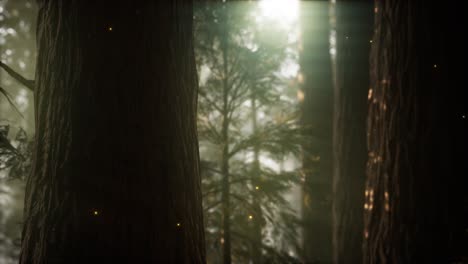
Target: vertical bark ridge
point(353, 27)
point(407, 195)
point(116, 174)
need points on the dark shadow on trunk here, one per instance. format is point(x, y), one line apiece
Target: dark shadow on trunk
point(353, 34)
point(317, 108)
point(115, 176)
point(414, 201)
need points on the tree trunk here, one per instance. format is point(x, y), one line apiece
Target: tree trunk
point(226, 188)
point(317, 115)
point(257, 225)
point(115, 176)
point(413, 122)
point(353, 31)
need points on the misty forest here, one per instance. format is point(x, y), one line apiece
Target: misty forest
point(257, 132)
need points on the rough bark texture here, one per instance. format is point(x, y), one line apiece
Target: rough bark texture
point(353, 33)
point(413, 123)
point(317, 115)
point(115, 177)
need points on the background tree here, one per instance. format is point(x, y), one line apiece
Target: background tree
point(415, 205)
point(317, 116)
point(115, 172)
point(240, 95)
point(17, 20)
point(351, 35)
point(17, 25)
point(15, 163)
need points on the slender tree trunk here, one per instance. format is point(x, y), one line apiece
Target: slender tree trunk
point(256, 202)
point(353, 32)
point(411, 126)
point(317, 115)
point(225, 194)
point(115, 176)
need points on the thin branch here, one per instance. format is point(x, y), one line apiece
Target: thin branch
point(5, 144)
point(210, 102)
point(215, 190)
point(28, 83)
point(10, 100)
point(237, 93)
point(207, 126)
point(211, 169)
point(212, 206)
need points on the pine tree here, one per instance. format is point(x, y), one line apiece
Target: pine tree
point(240, 91)
point(17, 19)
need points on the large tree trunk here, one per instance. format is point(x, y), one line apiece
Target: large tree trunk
point(413, 120)
point(115, 177)
point(317, 116)
point(353, 31)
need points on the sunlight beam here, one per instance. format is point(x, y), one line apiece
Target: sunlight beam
point(284, 11)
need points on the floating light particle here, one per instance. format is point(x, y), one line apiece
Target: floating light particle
point(435, 65)
point(250, 217)
point(95, 212)
point(257, 188)
point(178, 225)
point(110, 29)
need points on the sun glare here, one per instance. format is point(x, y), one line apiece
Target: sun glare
point(285, 11)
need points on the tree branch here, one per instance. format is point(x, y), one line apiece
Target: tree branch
point(210, 102)
point(10, 100)
point(211, 206)
point(28, 83)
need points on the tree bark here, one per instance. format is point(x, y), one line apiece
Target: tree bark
point(413, 121)
point(317, 116)
point(115, 175)
point(353, 32)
